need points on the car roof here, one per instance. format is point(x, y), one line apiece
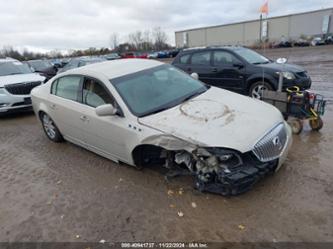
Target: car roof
point(187, 50)
point(117, 68)
point(8, 59)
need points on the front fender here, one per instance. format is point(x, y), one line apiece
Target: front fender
point(259, 76)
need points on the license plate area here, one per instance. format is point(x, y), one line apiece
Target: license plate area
point(27, 101)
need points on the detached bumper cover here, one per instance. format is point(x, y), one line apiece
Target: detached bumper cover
point(239, 180)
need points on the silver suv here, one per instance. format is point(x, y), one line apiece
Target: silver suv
point(16, 82)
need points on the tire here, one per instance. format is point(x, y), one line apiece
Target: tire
point(316, 124)
point(257, 87)
point(50, 128)
point(296, 126)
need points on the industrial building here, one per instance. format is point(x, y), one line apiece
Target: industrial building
point(249, 33)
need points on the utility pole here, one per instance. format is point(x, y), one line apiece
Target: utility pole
point(260, 31)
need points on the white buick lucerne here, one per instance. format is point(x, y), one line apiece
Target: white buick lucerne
point(144, 112)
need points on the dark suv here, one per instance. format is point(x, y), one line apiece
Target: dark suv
point(240, 69)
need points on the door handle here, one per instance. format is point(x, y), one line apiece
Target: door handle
point(214, 70)
point(84, 118)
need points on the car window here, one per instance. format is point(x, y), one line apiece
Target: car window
point(202, 58)
point(224, 58)
point(184, 59)
point(94, 94)
point(67, 87)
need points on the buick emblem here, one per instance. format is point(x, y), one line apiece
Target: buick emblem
point(277, 143)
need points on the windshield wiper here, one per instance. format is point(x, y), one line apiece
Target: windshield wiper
point(259, 63)
point(192, 95)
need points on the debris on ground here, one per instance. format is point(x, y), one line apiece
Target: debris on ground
point(59, 182)
point(120, 179)
point(62, 216)
point(172, 206)
point(241, 227)
point(102, 241)
point(77, 236)
point(170, 192)
point(180, 191)
point(180, 214)
point(193, 204)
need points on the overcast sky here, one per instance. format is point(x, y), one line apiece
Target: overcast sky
point(65, 24)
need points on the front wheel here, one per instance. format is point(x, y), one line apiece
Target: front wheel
point(257, 89)
point(50, 128)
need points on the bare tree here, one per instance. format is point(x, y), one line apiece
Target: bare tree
point(136, 39)
point(160, 38)
point(114, 40)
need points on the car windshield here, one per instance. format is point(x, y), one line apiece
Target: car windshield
point(13, 67)
point(40, 65)
point(251, 56)
point(156, 89)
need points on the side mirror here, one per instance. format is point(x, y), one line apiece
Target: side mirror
point(106, 110)
point(195, 76)
point(281, 61)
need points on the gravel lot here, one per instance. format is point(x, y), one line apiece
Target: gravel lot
point(60, 192)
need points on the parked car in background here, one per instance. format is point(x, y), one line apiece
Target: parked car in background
point(43, 67)
point(112, 56)
point(302, 43)
point(141, 55)
point(16, 82)
point(162, 54)
point(152, 55)
point(240, 69)
point(128, 55)
point(329, 40)
point(173, 53)
point(80, 62)
point(100, 108)
point(318, 41)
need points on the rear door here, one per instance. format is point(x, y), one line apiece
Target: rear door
point(228, 71)
point(65, 109)
point(200, 63)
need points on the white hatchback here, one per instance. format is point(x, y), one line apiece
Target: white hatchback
point(144, 112)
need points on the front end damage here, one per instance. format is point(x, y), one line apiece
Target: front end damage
point(223, 171)
point(220, 170)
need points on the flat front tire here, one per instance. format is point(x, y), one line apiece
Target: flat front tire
point(50, 128)
point(257, 88)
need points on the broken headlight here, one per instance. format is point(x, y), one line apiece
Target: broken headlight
point(220, 157)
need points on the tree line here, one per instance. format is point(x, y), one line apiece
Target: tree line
point(146, 40)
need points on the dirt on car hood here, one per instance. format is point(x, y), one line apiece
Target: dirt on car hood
point(217, 118)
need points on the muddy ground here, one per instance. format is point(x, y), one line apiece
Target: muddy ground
point(60, 192)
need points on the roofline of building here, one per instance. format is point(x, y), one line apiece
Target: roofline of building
point(254, 20)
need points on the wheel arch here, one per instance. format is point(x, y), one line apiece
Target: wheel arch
point(255, 78)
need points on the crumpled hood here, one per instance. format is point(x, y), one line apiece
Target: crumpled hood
point(20, 78)
point(218, 118)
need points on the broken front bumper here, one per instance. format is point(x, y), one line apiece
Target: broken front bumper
point(240, 178)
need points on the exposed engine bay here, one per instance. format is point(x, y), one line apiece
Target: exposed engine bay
point(217, 170)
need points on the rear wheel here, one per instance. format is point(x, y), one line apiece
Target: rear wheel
point(257, 88)
point(316, 124)
point(50, 128)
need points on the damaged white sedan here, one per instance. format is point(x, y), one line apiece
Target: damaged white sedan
point(144, 112)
